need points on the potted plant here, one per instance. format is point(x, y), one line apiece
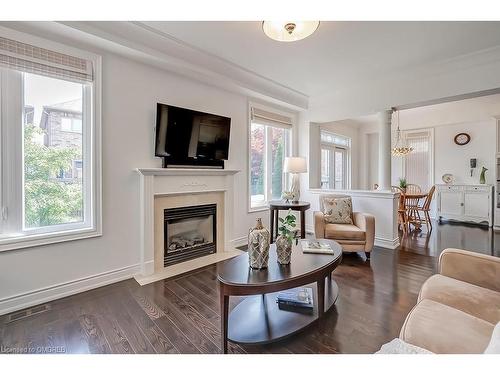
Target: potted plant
point(285, 238)
point(402, 184)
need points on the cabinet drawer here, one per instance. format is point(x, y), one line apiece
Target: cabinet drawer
point(477, 188)
point(450, 188)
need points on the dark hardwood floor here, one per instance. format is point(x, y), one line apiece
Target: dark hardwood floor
point(181, 315)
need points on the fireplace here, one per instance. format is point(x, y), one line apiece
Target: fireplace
point(189, 232)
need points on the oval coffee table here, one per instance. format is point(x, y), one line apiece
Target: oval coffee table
point(257, 319)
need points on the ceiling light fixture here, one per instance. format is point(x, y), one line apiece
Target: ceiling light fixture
point(289, 31)
point(400, 148)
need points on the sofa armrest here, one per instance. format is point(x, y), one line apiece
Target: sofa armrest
point(366, 223)
point(319, 224)
point(478, 269)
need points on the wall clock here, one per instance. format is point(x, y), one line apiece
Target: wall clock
point(462, 139)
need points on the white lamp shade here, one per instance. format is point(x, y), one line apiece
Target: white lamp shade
point(295, 165)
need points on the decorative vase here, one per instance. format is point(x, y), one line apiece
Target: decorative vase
point(258, 246)
point(283, 249)
point(482, 177)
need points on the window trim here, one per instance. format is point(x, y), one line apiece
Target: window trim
point(289, 149)
point(408, 134)
point(93, 228)
point(347, 162)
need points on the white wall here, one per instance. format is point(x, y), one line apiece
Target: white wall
point(129, 96)
point(454, 159)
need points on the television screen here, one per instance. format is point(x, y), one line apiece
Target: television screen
point(184, 136)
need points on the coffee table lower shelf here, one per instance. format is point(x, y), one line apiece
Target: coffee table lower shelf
point(258, 320)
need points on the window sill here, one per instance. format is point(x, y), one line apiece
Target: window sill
point(258, 209)
point(31, 240)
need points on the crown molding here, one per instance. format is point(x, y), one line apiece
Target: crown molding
point(141, 42)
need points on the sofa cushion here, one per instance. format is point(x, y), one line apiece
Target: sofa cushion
point(443, 329)
point(344, 232)
point(337, 210)
point(474, 300)
point(494, 345)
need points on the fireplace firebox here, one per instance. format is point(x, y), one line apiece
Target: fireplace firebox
point(189, 232)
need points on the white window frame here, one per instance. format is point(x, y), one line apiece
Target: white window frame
point(11, 189)
point(267, 160)
point(332, 147)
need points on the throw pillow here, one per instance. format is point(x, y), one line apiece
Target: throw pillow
point(337, 210)
point(494, 345)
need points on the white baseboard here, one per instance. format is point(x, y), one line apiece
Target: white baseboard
point(387, 243)
point(240, 241)
point(50, 293)
point(310, 229)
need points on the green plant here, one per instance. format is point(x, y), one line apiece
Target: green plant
point(402, 183)
point(286, 226)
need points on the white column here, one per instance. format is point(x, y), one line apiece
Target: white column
point(384, 149)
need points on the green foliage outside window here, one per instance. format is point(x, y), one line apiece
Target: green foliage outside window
point(49, 200)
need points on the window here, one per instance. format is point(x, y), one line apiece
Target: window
point(71, 124)
point(49, 181)
point(418, 165)
point(335, 157)
point(269, 145)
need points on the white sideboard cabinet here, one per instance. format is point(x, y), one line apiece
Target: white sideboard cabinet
point(470, 203)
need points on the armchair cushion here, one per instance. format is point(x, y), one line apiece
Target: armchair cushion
point(344, 232)
point(337, 210)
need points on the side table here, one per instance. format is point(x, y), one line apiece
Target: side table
point(276, 206)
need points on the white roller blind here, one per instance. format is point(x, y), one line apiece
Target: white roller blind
point(418, 162)
point(264, 117)
point(32, 59)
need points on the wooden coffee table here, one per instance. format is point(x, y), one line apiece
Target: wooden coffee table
point(257, 319)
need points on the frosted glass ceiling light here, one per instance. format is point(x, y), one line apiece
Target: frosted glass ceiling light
point(289, 31)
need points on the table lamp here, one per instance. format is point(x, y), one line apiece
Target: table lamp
point(294, 166)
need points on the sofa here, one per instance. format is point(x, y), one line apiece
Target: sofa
point(458, 308)
point(358, 236)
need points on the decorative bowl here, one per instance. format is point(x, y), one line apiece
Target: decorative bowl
point(447, 178)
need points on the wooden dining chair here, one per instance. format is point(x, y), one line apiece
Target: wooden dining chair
point(402, 214)
point(412, 204)
point(413, 189)
point(425, 208)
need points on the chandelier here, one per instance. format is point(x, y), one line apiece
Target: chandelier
point(289, 31)
point(400, 148)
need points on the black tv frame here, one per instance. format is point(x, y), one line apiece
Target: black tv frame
point(188, 162)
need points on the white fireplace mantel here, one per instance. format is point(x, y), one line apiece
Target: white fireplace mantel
point(158, 182)
point(186, 172)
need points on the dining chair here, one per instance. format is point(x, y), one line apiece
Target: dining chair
point(402, 214)
point(413, 189)
point(412, 204)
point(425, 208)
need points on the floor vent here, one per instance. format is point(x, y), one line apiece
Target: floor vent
point(23, 314)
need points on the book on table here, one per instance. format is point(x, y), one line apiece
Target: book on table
point(297, 298)
point(315, 247)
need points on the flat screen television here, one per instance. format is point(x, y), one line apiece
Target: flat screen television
point(187, 138)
